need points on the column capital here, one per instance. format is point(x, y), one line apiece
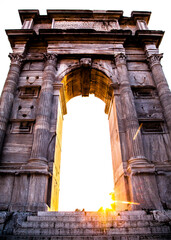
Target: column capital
point(50, 56)
point(50, 59)
point(154, 59)
point(120, 59)
point(16, 58)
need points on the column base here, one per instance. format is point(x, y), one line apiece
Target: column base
point(143, 185)
point(38, 160)
point(35, 207)
point(36, 165)
point(140, 164)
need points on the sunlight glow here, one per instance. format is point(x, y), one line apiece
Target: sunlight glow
point(110, 203)
point(137, 131)
point(86, 165)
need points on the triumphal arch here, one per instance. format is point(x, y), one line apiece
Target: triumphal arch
point(67, 53)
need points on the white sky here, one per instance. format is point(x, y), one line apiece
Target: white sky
point(88, 166)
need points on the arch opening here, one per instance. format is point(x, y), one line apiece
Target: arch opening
point(86, 176)
point(86, 80)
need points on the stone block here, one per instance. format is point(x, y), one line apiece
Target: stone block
point(47, 225)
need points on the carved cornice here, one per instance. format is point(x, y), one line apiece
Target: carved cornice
point(120, 59)
point(16, 58)
point(154, 59)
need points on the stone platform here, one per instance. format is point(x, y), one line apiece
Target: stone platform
point(126, 225)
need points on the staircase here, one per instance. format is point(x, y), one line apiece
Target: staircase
point(127, 225)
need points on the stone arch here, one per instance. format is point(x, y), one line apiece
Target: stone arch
point(85, 80)
point(106, 66)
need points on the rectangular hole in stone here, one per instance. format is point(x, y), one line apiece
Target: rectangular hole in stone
point(143, 92)
point(29, 92)
point(152, 126)
point(25, 126)
point(21, 127)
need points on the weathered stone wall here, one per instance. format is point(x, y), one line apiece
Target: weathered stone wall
point(69, 53)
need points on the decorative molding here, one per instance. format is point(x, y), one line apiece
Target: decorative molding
point(154, 59)
point(86, 62)
point(140, 79)
point(120, 58)
point(83, 24)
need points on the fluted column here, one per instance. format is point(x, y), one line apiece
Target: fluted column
point(140, 173)
point(42, 127)
point(135, 145)
point(8, 92)
point(162, 85)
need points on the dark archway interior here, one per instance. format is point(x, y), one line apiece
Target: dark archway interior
point(84, 81)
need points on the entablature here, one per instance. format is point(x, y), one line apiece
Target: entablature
point(84, 25)
point(89, 35)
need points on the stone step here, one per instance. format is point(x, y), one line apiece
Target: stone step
point(99, 237)
point(90, 216)
point(134, 225)
point(93, 214)
point(89, 224)
point(83, 219)
point(90, 231)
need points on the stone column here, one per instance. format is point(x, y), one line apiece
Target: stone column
point(135, 145)
point(140, 173)
point(162, 85)
point(39, 152)
point(8, 93)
